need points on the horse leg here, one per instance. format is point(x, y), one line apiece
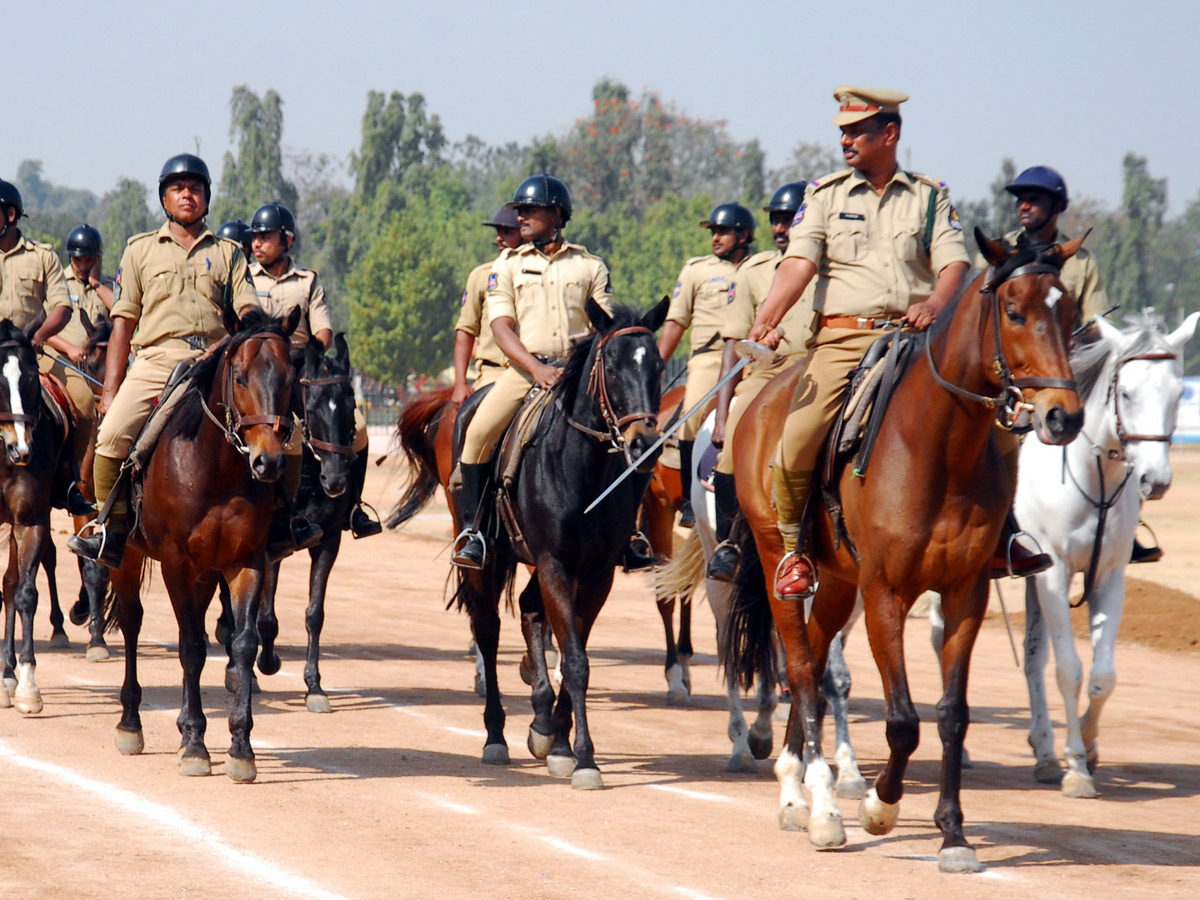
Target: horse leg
point(126, 594)
point(31, 547)
point(246, 591)
point(1047, 768)
point(225, 620)
point(748, 744)
point(323, 557)
point(58, 635)
point(937, 637)
point(1105, 609)
point(533, 621)
point(94, 580)
point(964, 612)
point(193, 648)
point(685, 639)
point(268, 623)
point(10, 629)
point(482, 590)
point(677, 692)
point(836, 687)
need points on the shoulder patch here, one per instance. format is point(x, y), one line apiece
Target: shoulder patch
point(729, 294)
point(799, 216)
point(955, 221)
point(493, 279)
point(678, 288)
point(463, 301)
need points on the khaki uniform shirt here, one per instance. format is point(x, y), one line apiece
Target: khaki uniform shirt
point(750, 289)
point(869, 248)
point(31, 281)
point(295, 287)
point(700, 296)
point(547, 295)
point(83, 297)
point(471, 318)
point(172, 294)
point(1080, 276)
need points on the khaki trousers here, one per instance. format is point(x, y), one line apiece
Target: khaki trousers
point(144, 381)
point(747, 389)
point(495, 412)
point(80, 391)
point(703, 371)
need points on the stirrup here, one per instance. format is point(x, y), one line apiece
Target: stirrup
point(788, 559)
point(1038, 561)
point(1143, 553)
point(460, 542)
point(373, 528)
point(725, 562)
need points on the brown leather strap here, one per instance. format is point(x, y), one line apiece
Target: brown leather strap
point(863, 323)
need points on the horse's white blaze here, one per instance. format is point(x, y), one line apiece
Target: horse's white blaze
point(12, 374)
point(638, 355)
point(332, 406)
point(1052, 297)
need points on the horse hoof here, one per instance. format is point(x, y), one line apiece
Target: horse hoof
point(958, 861)
point(560, 766)
point(10, 685)
point(851, 788)
point(742, 764)
point(240, 771)
point(317, 703)
point(1077, 785)
point(678, 698)
point(587, 780)
point(480, 686)
point(793, 818)
point(129, 743)
point(5, 699)
point(269, 665)
point(760, 746)
point(876, 816)
point(28, 703)
point(539, 744)
point(80, 612)
point(59, 641)
point(1048, 771)
point(826, 832)
point(495, 755)
point(97, 653)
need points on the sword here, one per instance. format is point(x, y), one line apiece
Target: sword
point(74, 368)
point(749, 351)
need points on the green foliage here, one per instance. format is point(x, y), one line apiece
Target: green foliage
point(124, 214)
point(255, 175)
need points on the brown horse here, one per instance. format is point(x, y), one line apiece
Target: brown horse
point(208, 493)
point(927, 517)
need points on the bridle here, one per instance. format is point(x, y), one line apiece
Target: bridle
point(12, 418)
point(235, 422)
point(313, 444)
point(1010, 403)
point(598, 390)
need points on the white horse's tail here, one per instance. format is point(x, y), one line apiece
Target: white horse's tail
point(683, 572)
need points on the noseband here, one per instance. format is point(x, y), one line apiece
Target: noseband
point(598, 390)
point(235, 422)
point(1122, 435)
point(311, 442)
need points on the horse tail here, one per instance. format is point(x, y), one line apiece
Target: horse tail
point(111, 611)
point(417, 431)
point(749, 651)
point(680, 575)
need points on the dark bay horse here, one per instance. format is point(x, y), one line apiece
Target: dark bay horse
point(603, 412)
point(32, 445)
point(209, 493)
point(927, 517)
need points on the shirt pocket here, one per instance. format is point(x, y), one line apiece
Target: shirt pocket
point(847, 242)
point(577, 320)
point(910, 243)
point(160, 284)
point(206, 286)
point(31, 282)
point(530, 292)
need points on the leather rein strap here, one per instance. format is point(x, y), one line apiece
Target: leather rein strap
point(598, 390)
point(235, 422)
point(314, 444)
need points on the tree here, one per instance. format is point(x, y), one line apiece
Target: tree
point(255, 175)
point(1143, 206)
point(1004, 210)
point(808, 161)
point(124, 213)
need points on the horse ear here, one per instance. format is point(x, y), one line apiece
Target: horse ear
point(657, 315)
point(1109, 331)
point(292, 320)
point(341, 350)
point(88, 327)
point(995, 252)
point(230, 319)
point(1065, 251)
point(312, 354)
point(597, 315)
point(1184, 332)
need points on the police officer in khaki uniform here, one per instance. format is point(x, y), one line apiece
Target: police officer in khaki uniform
point(473, 332)
point(699, 300)
point(861, 234)
point(281, 285)
point(746, 295)
point(32, 286)
point(536, 301)
point(239, 232)
point(170, 288)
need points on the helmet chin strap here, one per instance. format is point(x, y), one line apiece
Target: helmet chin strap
point(555, 238)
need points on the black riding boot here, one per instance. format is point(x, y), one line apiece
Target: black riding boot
point(106, 545)
point(290, 531)
point(470, 548)
point(64, 489)
point(1011, 558)
point(687, 518)
point(728, 556)
point(360, 524)
point(639, 554)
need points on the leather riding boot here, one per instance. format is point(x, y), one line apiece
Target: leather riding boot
point(290, 531)
point(1012, 558)
point(726, 559)
point(64, 490)
point(796, 575)
point(360, 524)
point(107, 544)
point(470, 548)
point(1144, 554)
point(687, 517)
point(639, 554)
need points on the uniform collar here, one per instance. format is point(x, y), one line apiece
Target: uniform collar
point(164, 234)
point(526, 249)
point(257, 268)
point(857, 179)
point(23, 244)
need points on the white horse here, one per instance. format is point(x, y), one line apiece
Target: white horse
point(1081, 503)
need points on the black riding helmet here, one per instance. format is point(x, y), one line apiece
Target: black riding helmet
point(10, 198)
point(273, 217)
point(84, 241)
point(181, 165)
point(787, 199)
point(1039, 178)
point(235, 230)
point(732, 215)
point(543, 190)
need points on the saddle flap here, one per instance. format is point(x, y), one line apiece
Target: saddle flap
point(58, 402)
point(519, 435)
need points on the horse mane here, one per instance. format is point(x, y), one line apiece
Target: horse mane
point(622, 317)
point(1089, 360)
point(190, 411)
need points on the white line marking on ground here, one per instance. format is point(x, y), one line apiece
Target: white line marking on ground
point(694, 795)
point(695, 895)
point(171, 820)
point(432, 720)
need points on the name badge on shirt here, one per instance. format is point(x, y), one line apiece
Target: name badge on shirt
point(853, 217)
point(263, 293)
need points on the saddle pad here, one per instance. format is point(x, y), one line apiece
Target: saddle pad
point(58, 402)
point(519, 435)
point(147, 439)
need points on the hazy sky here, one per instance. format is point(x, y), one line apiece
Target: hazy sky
point(98, 90)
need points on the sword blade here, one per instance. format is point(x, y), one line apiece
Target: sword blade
point(74, 368)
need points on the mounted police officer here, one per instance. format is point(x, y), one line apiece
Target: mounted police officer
point(473, 332)
point(281, 285)
point(239, 232)
point(746, 295)
point(170, 288)
point(536, 302)
point(32, 287)
point(861, 234)
point(699, 300)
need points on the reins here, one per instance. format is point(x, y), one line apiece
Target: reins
point(235, 422)
point(313, 444)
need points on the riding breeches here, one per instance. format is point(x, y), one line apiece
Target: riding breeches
point(703, 371)
point(747, 389)
point(488, 374)
point(494, 414)
point(81, 395)
point(147, 376)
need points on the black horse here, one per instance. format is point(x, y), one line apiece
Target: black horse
point(602, 414)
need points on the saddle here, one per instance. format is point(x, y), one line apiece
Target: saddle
point(58, 403)
point(852, 437)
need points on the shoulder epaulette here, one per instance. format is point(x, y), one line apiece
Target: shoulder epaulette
point(138, 237)
point(926, 179)
point(826, 180)
point(758, 259)
point(696, 259)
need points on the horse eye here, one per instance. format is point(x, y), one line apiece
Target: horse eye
point(240, 380)
point(1015, 317)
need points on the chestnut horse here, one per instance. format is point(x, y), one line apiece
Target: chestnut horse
point(926, 518)
point(209, 492)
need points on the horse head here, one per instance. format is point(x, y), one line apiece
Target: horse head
point(328, 393)
point(626, 375)
point(1032, 317)
point(1145, 385)
point(256, 389)
point(20, 391)
point(95, 352)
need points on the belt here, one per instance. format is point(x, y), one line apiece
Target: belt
point(863, 323)
point(488, 362)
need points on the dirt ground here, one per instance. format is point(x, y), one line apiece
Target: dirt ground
point(387, 796)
